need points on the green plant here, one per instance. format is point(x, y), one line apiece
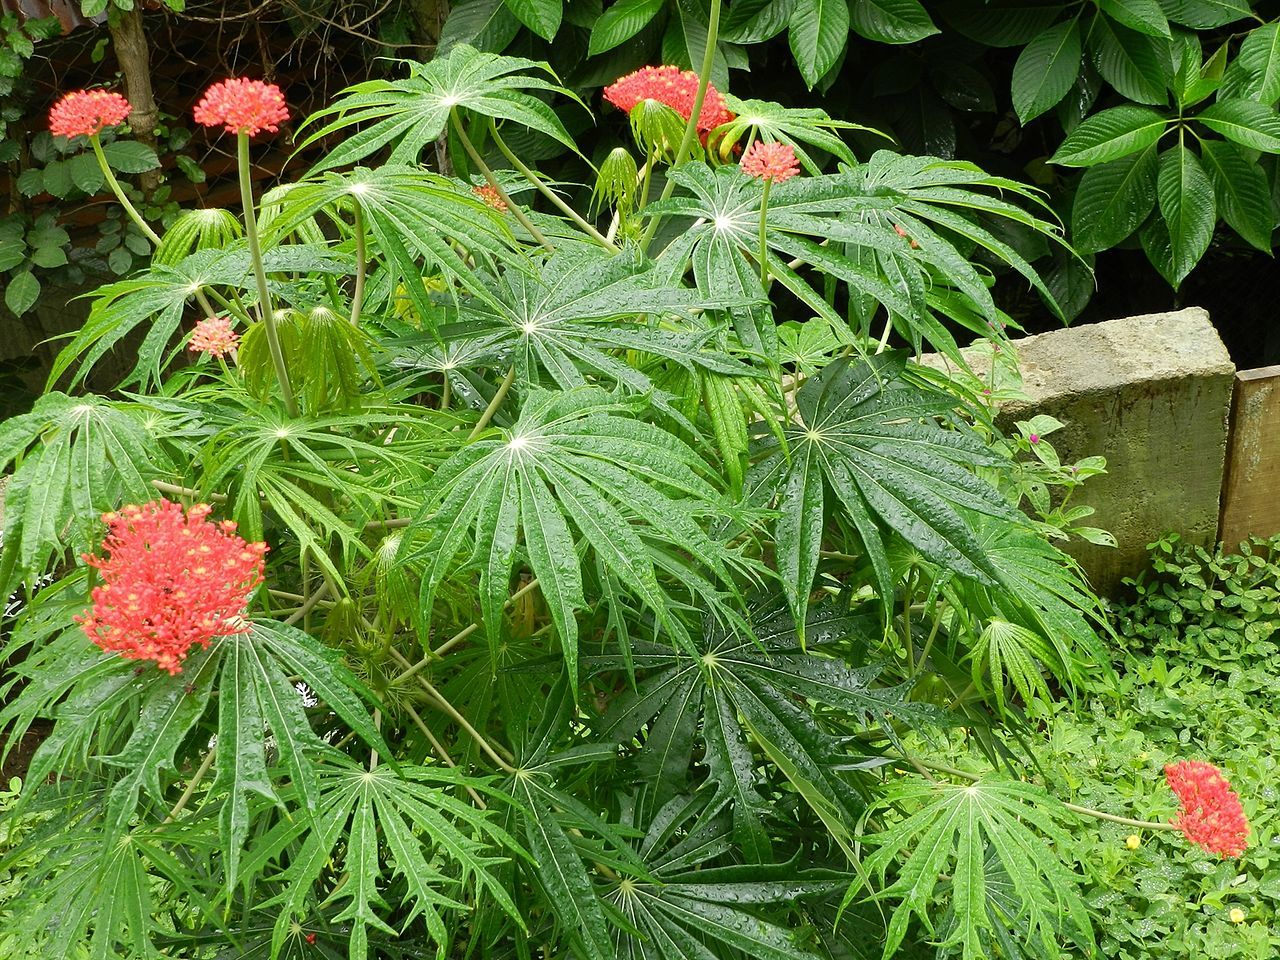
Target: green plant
point(1213, 610)
point(1104, 85)
point(595, 622)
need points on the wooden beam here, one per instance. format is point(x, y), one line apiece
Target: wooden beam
point(1251, 487)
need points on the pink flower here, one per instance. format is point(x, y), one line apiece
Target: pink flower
point(770, 161)
point(670, 85)
point(242, 106)
point(169, 582)
point(1034, 438)
point(86, 112)
point(490, 196)
point(214, 336)
point(1211, 816)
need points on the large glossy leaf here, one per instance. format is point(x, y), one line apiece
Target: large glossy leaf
point(1135, 64)
point(576, 468)
point(818, 33)
point(1241, 190)
point(866, 448)
point(1248, 123)
point(1112, 200)
point(891, 21)
point(1046, 69)
point(1187, 206)
point(1110, 135)
point(411, 113)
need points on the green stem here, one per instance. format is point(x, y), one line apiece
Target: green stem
point(260, 273)
point(494, 404)
point(125, 202)
point(133, 213)
point(357, 295)
point(1073, 807)
point(440, 703)
point(547, 192)
point(764, 244)
point(691, 127)
point(483, 167)
point(194, 782)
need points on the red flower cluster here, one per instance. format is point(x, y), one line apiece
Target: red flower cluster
point(243, 106)
point(770, 161)
point(1211, 815)
point(86, 112)
point(214, 336)
point(170, 581)
point(670, 85)
point(490, 196)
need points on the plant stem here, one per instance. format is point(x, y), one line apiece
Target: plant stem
point(546, 191)
point(357, 295)
point(764, 244)
point(260, 273)
point(483, 167)
point(194, 782)
point(452, 712)
point(691, 127)
point(1074, 808)
point(494, 404)
point(309, 604)
point(442, 753)
point(114, 184)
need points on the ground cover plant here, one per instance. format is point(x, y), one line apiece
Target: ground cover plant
point(461, 574)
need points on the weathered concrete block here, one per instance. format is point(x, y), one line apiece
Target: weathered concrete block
point(1152, 394)
point(1251, 492)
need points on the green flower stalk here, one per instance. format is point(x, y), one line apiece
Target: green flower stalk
point(245, 108)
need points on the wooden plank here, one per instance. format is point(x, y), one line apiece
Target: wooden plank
point(1251, 487)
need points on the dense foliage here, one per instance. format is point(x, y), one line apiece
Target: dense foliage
point(602, 614)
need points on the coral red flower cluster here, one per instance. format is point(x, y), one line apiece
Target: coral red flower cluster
point(771, 161)
point(170, 581)
point(243, 106)
point(86, 112)
point(1211, 816)
point(670, 85)
point(214, 336)
point(490, 196)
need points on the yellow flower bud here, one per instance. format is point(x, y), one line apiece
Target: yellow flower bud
point(1133, 841)
point(1236, 915)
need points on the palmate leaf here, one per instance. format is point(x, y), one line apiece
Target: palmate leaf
point(159, 296)
point(742, 690)
point(410, 113)
point(75, 458)
point(411, 216)
point(338, 471)
point(1042, 592)
point(886, 229)
point(91, 894)
point(383, 824)
point(157, 721)
point(994, 835)
point(579, 316)
point(578, 460)
point(684, 908)
point(868, 445)
point(762, 119)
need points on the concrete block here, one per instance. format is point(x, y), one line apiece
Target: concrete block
point(1152, 394)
